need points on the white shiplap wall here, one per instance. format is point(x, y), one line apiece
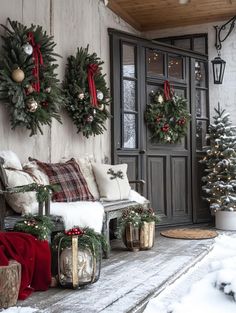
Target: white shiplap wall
point(73, 23)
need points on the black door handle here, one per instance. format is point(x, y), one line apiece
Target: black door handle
point(142, 151)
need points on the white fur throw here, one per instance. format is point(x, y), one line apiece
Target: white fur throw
point(79, 213)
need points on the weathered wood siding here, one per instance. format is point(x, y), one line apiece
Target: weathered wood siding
point(73, 23)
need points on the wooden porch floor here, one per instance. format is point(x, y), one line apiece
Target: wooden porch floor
point(128, 280)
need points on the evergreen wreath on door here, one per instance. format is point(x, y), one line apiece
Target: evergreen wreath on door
point(28, 82)
point(167, 116)
point(87, 95)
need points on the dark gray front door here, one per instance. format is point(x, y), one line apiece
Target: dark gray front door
point(139, 67)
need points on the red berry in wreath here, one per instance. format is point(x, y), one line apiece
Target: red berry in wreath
point(165, 128)
point(44, 104)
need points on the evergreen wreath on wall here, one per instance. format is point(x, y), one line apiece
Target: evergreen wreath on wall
point(86, 93)
point(167, 116)
point(28, 82)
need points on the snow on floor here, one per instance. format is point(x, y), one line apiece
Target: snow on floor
point(17, 309)
point(210, 286)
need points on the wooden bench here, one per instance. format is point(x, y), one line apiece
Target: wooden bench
point(112, 209)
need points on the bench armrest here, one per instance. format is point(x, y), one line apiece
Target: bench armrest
point(140, 183)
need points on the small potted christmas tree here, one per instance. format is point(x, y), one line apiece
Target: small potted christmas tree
point(220, 171)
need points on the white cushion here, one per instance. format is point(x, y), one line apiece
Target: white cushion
point(11, 160)
point(25, 202)
point(87, 171)
point(22, 202)
point(111, 188)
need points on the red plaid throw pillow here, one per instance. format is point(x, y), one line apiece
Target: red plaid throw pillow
point(71, 180)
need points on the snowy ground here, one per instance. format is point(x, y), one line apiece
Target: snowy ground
point(17, 309)
point(210, 286)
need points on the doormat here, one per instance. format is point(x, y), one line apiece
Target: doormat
point(188, 233)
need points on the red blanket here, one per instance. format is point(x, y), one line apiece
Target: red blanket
point(34, 257)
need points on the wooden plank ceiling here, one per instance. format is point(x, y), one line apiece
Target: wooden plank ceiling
point(145, 15)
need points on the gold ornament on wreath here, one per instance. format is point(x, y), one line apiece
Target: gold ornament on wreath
point(18, 75)
point(167, 116)
point(32, 105)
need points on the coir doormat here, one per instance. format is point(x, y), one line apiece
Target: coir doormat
point(187, 233)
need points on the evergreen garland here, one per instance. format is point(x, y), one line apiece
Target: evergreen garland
point(220, 164)
point(89, 118)
point(42, 191)
point(38, 226)
point(167, 120)
point(28, 81)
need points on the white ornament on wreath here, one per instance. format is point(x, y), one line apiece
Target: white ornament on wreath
point(81, 96)
point(100, 95)
point(28, 49)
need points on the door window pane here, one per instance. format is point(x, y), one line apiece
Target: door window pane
point(200, 45)
point(175, 67)
point(179, 92)
point(201, 131)
point(155, 63)
point(129, 95)
point(200, 74)
point(201, 103)
point(129, 130)
point(183, 43)
point(128, 64)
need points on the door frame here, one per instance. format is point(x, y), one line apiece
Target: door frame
point(116, 39)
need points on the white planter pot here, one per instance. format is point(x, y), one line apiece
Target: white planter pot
point(225, 220)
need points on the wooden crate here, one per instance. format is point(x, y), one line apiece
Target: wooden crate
point(10, 279)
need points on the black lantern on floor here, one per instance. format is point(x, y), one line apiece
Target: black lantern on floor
point(222, 33)
point(218, 66)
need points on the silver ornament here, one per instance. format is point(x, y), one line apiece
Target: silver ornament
point(81, 96)
point(32, 105)
point(100, 95)
point(28, 49)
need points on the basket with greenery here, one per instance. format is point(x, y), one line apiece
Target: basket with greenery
point(38, 226)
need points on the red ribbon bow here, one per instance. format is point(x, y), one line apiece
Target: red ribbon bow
point(38, 60)
point(92, 70)
point(168, 94)
point(74, 231)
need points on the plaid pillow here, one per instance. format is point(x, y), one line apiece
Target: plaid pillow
point(71, 180)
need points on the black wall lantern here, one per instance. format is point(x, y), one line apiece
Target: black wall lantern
point(218, 66)
point(222, 33)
